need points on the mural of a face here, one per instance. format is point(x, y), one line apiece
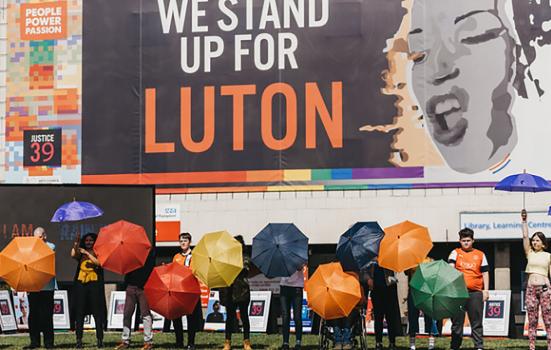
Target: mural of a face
point(463, 67)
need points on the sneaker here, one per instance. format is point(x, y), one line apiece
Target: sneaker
point(298, 347)
point(337, 346)
point(122, 345)
point(391, 346)
point(379, 346)
point(190, 347)
point(284, 347)
point(247, 345)
point(100, 344)
point(31, 346)
point(147, 346)
point(347, 346)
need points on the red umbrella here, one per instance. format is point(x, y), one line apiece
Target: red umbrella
point(172, 290)
point(122, 247)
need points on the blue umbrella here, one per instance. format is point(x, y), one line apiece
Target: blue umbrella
point(359, 245)
point(279, 250)
point(75, 211)
point(523, 183)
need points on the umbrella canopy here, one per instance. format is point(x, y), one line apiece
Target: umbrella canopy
point(279, 250)
point(122, 247)
point(438, 289)
point(359, 245)
point(524, 182)
point(404, 246)
point(27, 264)
point(74, 211)
point(217, 259)
point(172, 291)
point(331, 292)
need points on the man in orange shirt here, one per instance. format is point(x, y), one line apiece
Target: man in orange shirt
point(473, 265)
point(195, 320)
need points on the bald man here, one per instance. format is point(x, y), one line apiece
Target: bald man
point(41, 307)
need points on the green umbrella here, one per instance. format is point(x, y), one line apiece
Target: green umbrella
point(438, 290)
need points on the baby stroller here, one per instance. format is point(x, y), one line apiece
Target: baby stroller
point(358, 331)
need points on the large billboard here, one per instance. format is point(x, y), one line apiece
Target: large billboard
point(243, 95)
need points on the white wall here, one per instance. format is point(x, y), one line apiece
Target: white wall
point(323, 216)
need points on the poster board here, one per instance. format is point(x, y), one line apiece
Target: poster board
point(259, 310)
point(7, 314)
point(61, 310)
point(21, 309)
point(116, 310)
point(215, 319)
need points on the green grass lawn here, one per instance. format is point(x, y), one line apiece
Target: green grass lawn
point(260, 341)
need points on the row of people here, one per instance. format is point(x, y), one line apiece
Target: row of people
point(89, 296)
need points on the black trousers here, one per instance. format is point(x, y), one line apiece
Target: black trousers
point(385, 306)
point(291, 297)
point(41, 313)
point(194, 325)
point(89, 296)
point(231, 318)
point(474, 308)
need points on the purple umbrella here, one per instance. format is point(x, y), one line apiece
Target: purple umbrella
point(75, 211)
point(523, 183)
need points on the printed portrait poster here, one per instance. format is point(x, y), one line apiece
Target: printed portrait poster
point(215, 319)
point(259, 310)
point(307, 316)
point(7, 314)
point(61, 310)
point(116, 310)
point(21, 309)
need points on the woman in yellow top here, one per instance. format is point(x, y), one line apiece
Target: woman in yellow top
point(538, 291)
point(89, 293)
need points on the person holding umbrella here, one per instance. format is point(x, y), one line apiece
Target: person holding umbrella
point(290, 295)
point(89, 292)
point(195, 320)
point(413, 314)
point(41, 307)
point(238, 296)
point(384, 295)
point(473, 265)
point(537, 292)
point(135, 282)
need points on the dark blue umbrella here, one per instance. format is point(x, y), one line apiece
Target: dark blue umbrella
point(279, 250)
point(523, 183)
point(75, 211)
point(359, 245)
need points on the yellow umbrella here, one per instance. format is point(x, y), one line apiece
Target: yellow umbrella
point(27, 264)
point(217, 259)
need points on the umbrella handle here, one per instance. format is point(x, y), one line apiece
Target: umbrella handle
point(524, 200)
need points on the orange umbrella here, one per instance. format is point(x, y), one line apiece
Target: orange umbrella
point(404, 246)
point(27, 264)
point(331, 292)
point(122, 247)
point(172, 291)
